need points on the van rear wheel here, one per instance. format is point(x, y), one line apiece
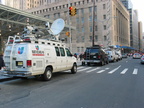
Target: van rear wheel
point(47, 74)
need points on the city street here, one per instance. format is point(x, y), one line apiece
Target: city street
point(116, 85)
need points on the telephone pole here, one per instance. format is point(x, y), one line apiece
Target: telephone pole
point(93, 34)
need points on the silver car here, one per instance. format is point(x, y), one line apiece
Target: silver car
point(142, 59)
point(136, 56)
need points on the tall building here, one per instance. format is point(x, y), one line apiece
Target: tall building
point(23, 4)
point(111, 23)
point(134, 42)
point(140, 35)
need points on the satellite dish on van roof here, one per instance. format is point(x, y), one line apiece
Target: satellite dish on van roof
point(57, 26)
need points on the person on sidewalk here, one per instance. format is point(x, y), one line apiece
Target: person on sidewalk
point(2, 64)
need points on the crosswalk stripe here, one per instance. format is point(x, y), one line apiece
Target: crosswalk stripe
point(93, 70)
point(135, 71)
point(124, 71)
point(102, 70)
point(114, 70)
point(84, 69)
point(80, 67)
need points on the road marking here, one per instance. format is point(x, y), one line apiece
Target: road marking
point(102, 70)
point(114, 70)
point(85, 69)
point(93, 70)
point(135, 71)
point(80, 67)
point(124, 71)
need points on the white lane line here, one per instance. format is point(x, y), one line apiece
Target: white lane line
point(135, 71)
point(84, 69)
point(124, 71)
point(93, 70)
point(80, 67)
point(102, 70)
point(114, 70)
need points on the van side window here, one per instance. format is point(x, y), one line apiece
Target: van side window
point(62, 51)
point(68, 52)
point(57, 51)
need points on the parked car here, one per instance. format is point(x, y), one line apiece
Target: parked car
point(112, 55)
point(136, 56)
point(142, 59)
point(95, 55)
point(124, 55)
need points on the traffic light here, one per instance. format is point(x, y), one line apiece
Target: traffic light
point(72, 11)
point(67, 34)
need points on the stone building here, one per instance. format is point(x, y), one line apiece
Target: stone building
point(104, 21)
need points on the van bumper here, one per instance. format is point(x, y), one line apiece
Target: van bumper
point(16, 73)
point(92, 61)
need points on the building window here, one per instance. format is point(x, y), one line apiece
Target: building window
point(83, 29)
point(96, 28)
point(104, 16)
point(104, 27)
point(90, 18)
point(96, 38)
point(90, 38)
point(82, 19)
point(95, 8)
point(90, 9)
point(105, 38)
point(82, 11)
point(78, 49)
point(104, 6)
point(91, 29)
point(77, 20)
point(83, 38)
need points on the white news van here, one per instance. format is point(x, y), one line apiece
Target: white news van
point(37, 57)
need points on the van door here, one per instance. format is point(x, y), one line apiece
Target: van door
point(60, 59)
point(69, 59)
point(19, 55)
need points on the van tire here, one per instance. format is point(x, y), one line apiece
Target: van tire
point(74, 69)
point(47, 74)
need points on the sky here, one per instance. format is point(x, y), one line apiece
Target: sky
point(139, 5)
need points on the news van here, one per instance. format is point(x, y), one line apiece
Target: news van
point(30, 56)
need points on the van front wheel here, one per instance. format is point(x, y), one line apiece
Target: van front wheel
point(74, 69)
point(47, 74)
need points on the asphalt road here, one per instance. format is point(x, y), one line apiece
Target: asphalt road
point(116, 85)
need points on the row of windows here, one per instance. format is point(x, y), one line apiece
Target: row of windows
point(61, 52)
point(66, 6)
point(82, 38)
point(90, 29)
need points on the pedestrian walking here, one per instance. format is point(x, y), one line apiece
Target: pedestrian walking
point(2, 64)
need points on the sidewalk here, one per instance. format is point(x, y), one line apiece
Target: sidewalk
point(4, 78)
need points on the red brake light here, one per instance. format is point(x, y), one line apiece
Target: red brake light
point(29, 63)
point(11, 40)
point(26, 39)
point(99, 57)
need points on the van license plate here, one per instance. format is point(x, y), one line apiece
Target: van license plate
point(20, 63)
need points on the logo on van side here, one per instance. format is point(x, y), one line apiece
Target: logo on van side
point(20, 50)
point(37, 52)
point(37, 47)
